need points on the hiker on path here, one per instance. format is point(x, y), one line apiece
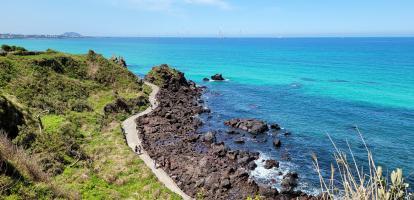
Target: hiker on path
point(139, 149)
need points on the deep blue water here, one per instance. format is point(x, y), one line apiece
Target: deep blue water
point(310, 86)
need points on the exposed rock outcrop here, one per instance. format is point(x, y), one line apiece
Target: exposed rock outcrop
point(166, 77)
point(252, 126)
point(275, 127)
point(289, 182)
point(119, 60)
point(209, 137)
point(217, 77)
point(277, 143)
point(269, 164)
point(195, 161)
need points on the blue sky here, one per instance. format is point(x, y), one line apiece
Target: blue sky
point(268, 18)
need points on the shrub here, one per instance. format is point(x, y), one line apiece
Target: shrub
point(61, 64)
point(7, 72)
point(80, 105)
point(8, 48)
point(15, 48)
point(50, 51)
point(48, 91)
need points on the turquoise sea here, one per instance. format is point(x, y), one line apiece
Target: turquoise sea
point(311, 86)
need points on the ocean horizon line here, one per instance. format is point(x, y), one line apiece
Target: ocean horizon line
point(230, 37)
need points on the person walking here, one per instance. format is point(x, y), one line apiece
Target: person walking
point(139, 149)
point(136, 149)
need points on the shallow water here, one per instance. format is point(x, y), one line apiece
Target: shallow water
point(309, 86)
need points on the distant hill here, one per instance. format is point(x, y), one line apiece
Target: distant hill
point(26, 36)
point(71, 35)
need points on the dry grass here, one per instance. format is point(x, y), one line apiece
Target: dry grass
point(92, 68)
point(18, 157)
point(357, 183)
point(27, 166)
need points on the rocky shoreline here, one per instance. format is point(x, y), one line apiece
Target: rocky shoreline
point(201, 166)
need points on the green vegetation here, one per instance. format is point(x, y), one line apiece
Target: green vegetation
point(158, 75)
point(61, 116)
point(8, 48)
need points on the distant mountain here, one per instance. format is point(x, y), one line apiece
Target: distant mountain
point(71, 35)
point(23, 36)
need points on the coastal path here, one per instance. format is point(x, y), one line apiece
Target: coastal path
point(131, 134)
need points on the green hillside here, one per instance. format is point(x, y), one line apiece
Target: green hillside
point(60, 122)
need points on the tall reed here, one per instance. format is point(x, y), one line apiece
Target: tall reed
point(357, 183)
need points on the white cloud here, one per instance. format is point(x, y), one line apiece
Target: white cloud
point(218, 3)
point(152, 5)
point(168, 5)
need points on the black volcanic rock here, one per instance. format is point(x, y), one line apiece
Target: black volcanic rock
point(252, 126)
point(252, 165)
point(275, 127)
point(209, 137)
point(217, 77)
point(232, 132)
point(289, 182)
point(167, 77)
point(206, 79)
point(268, 192)
point(277, 143)
point(170, 135)
point(239, 141)
point(269, 164)
point(118, 60)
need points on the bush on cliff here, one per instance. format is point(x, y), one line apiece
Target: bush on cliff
point(7, 72)
point(164, 76)
point(8, 48)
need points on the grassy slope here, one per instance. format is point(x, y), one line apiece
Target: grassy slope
point(79, 146)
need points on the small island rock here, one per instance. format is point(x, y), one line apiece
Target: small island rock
point(217, 77)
